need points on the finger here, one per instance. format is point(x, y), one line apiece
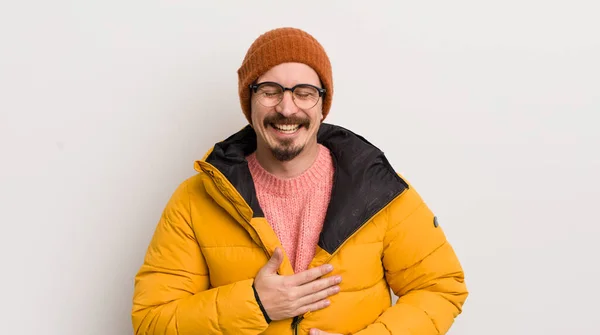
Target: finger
point(318, 296)
point(318, 285)
point(313, 307)
point(315, 331)
point(274, 262)
point(309, 275)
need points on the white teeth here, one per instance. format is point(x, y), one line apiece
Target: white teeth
point(287, 128)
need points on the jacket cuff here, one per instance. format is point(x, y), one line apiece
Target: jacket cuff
point(262, 308)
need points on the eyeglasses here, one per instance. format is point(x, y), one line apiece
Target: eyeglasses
point(270, 94)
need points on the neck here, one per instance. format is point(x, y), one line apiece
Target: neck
point(289, 169)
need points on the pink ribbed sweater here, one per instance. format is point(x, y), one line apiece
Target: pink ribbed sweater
point(296, 207)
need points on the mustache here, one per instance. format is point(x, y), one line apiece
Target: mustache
point(278, 118)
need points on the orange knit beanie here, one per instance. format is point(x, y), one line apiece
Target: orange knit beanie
point(280, 46)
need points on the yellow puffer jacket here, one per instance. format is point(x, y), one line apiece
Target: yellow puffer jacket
point(213, 238)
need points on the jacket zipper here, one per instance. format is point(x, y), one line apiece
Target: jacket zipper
point(297, 319)
point(295, 322)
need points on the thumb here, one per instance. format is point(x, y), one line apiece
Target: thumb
point(274, 262)
point(315, 331)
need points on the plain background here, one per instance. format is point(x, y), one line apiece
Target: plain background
point(490, 109)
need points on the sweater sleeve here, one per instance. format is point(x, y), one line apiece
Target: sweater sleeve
point(172, 293)
point(422, 269)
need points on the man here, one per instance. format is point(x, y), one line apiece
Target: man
point(295, 226)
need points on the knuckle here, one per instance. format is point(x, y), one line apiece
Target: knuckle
point(292, 308)
point(326, 268)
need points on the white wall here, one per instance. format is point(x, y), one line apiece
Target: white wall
point(489, 108)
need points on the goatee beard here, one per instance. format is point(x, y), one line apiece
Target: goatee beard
point(285, 152)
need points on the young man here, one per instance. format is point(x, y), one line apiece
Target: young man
point(295, 226)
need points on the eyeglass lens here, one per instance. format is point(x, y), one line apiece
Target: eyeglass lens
point(304, 96)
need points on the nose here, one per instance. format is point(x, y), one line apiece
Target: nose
point(287, 107)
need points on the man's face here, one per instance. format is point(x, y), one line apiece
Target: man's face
point(286, 129)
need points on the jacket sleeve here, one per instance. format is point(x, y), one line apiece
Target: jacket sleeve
point(172, 293)
point(422, 269)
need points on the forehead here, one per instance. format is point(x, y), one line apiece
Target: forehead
point(290, 74)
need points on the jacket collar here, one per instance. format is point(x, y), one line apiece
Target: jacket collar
point(364, 181)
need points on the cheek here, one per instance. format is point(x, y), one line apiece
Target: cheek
point(257, 115)
point(318, 115)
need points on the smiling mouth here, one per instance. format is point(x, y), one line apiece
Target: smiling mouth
point(286, 128)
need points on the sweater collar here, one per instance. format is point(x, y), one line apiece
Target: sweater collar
point(319, 170)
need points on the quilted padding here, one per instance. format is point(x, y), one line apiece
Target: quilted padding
point(210, 243)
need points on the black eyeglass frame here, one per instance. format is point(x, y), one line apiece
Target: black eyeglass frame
point(254, 88)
